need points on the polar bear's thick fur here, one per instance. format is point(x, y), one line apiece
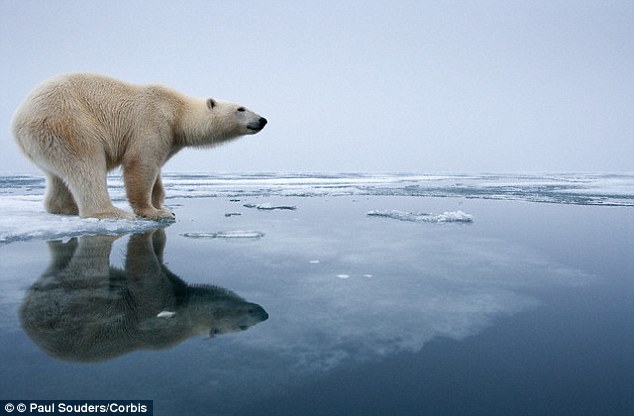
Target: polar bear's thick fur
point(77, 127)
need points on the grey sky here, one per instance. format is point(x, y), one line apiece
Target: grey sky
point(426, 86)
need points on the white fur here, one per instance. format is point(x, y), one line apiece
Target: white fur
point(76, 127)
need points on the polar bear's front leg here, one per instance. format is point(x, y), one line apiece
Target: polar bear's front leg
point(140, 181)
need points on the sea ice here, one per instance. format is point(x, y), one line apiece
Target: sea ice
point(580, 189)
point(269, 207)
point(23, 216)
point(24, 219)
point(165, 314)
point(453, 216)
point(227, 234)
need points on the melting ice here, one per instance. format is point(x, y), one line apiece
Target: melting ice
point(269, 207)
point(23, 216)
point(227, 234)
point(454, 216)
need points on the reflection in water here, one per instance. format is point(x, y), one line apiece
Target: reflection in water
point(83, 309)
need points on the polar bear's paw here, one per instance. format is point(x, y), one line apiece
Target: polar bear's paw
point(161, 214)
point(112, 214)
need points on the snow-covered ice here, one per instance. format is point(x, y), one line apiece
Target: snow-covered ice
point(564, 188)
point(24, 218)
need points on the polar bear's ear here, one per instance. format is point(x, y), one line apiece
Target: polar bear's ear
point(211, 103)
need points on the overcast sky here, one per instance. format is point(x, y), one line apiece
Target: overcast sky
point(422, 86)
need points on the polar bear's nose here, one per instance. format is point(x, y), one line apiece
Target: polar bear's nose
point(256, 126)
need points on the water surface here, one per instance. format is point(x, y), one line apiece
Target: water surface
point(520, 306)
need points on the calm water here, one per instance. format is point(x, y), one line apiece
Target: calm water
point(325, 310)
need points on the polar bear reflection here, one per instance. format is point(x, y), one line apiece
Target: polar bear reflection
point(83, 309)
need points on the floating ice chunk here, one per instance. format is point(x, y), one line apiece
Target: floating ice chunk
point(453, 216)
point(314, 262)
point(367, 275)
point(239, 234)
point(165, 314)
point(227, 234)
point(199, 235)
point(232, 214)
point(269, 207)
point(343, 276)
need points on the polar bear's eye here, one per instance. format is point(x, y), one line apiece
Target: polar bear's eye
point(241, 109)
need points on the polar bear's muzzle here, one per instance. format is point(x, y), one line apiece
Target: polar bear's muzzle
point(258, 125)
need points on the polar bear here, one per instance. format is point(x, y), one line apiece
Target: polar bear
point(77, 127)
point(84, 309)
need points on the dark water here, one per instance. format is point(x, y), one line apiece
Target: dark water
point(324, 310)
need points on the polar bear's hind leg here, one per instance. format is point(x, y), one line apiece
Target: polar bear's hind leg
point(59, 199)
point(88, 184)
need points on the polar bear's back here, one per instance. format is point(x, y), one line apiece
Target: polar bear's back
point(75, 95)
point(78, 113)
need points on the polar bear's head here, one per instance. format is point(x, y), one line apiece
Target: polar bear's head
point(210, 122)
point(236, 120)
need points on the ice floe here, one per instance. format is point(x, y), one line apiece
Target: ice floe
point(566, 188)
point(269, 207)
point(23, 218)
point(453, 216)
point(237, 234)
